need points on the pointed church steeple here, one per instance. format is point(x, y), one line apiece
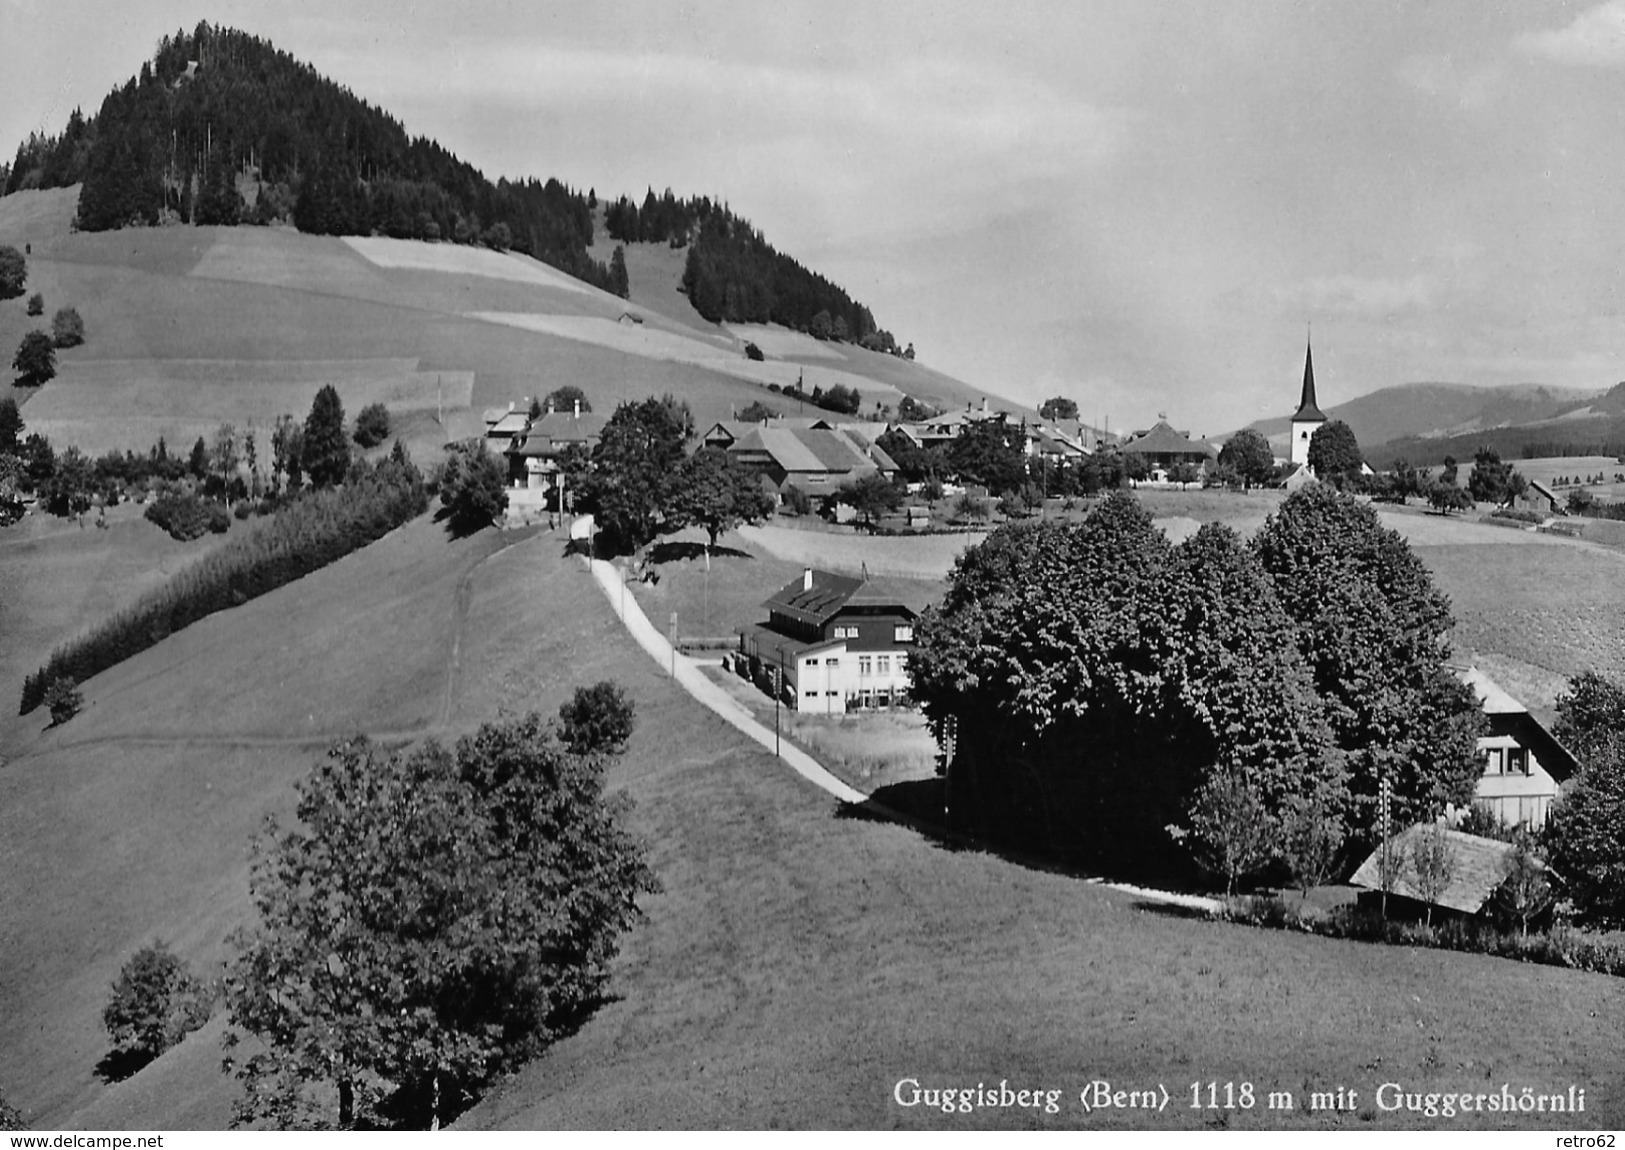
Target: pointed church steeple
point(1307, 411)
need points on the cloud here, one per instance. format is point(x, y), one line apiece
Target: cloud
point(1470, 86)
point(1596, 37)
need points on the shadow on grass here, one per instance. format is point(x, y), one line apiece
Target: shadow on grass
point(1171, 910)
point(460, 528)
point(678, 549)
point(918, 805)
point(117, 1065)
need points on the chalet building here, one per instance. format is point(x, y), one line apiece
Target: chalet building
point(1163, 447)
point(502, 425)
point(1525, 767)
point(1308, 418)
point(818, 460)
point(533, 457)
point(833, 643)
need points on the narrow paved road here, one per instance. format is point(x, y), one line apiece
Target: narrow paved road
point(693, 680)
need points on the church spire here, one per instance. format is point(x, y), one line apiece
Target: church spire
point(1307, 409)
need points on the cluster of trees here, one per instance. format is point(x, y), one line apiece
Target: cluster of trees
point(217, 110)
point(841, 399)
point(733, 275)
point(661, 220)
point(437, 918)
point(35, 358)
point(320, 528)
point(1102, 685)
point(640, 482)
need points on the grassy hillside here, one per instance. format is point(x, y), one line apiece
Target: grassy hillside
point(800, 962)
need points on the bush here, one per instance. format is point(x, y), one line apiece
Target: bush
point(63, 699)
point(318, 529)
point(372, 425)
point(156, 1002)
point(797, 500)
point(36, 304)
point(596, 719)
point(10, 1119)
point(67, 329)
point(1518, 514)
point(753, 352)
point(187, 517)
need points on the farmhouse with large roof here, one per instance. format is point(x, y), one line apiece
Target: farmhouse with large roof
point(834, 642)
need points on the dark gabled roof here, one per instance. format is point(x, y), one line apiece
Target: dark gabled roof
point(1307, 411)
point(829, 594)
point(1164, 440)
point(567, 427)
point(1480, 869)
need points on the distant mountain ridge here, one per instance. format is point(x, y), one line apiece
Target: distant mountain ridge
point(1421, 412)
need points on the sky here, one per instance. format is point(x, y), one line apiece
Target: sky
point(1142, 206)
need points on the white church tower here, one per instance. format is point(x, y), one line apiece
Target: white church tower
point(1308, 418)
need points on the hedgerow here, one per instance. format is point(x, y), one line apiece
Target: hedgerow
point(319, 529)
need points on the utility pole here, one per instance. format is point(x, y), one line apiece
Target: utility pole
point(674, 644)
point(1383, 799)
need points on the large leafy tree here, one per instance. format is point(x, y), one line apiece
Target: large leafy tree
point(1059, 408)
point(436, 919)
point(1334, 453)
point(1251, 455)
point(1374, 631)
point(635, 468)
point(1093, 676)
point(473, 486)
point(1585, 831)
point(714, 491)
point(35, 361)
point(325, 450)
point(989, 451)
point(871, 496)
point(1494, 481)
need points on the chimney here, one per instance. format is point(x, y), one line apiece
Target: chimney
point(984, 403)
point(550, 405)
point(510, 405)
point(578, 409)
point(806, 579)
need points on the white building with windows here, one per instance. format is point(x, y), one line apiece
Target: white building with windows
point(832, 644)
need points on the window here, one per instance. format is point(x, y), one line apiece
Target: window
point(866, 665)
point(903, 633)
point(1493, 761)
point(846, 633)
point(1517, 761)
point(812, 662)
point(832, 662)
point(883, 664)
point(812, 694)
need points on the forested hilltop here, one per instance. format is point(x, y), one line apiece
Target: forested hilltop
point(221, 128)
point(733, 275)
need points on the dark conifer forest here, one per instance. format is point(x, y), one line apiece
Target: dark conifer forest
point(221, 128)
